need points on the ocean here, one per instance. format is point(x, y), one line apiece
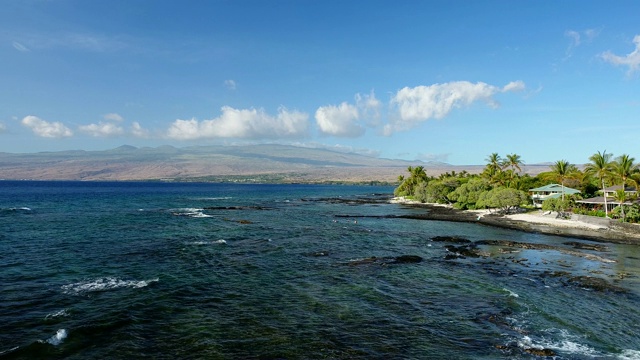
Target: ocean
point(125, 270)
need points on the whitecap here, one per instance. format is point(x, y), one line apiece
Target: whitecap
point(103, 284)
point(511, 293)
point(221, 241)
point(58, 338)
point(56, 314)
point(190, 212)
point(629, 354)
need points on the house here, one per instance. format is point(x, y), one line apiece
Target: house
point(599, 201)
point(551, 191)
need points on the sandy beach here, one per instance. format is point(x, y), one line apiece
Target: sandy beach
point(587, 227)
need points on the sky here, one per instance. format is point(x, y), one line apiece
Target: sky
point(449, 81)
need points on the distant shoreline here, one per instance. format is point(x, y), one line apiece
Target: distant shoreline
point(535, 222)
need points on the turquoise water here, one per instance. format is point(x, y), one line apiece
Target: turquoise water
point(226, 271)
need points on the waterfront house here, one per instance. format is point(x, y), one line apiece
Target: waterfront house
point(599, 201)
point(551, 191)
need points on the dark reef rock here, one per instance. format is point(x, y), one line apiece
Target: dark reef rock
point(403, 259)
point(594, 283)
point(451, 239)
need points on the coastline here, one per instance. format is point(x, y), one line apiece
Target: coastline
point(537, 221)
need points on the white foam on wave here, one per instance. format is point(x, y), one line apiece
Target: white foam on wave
point(103, 284)
point(629, 355)
point(58, 338)
point(60, 313)
point(511, 293)
point(563, 342)
point(190, 212)
point(221, 241)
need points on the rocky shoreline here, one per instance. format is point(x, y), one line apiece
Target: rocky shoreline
point(613, 231)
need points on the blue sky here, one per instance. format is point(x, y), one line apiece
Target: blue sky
point(450, 81)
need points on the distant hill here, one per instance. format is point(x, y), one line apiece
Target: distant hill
point(259, 163)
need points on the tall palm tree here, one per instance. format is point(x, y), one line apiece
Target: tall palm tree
point(513, 161)
point(494, 167)
point(563, 170)
point(624, 166)
point(600, 167)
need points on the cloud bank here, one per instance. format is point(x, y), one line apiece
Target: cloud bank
point(349, 120)
point(631, 60)
point(418, 104)
point(243, 124)
point(46, 129)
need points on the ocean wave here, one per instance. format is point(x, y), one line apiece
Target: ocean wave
point(629, 355)
point(190, 212)
point(511, 293)
point(563, 342)
point(60, 313)
point(58, 338)
point(221, 241)
point(103, 284)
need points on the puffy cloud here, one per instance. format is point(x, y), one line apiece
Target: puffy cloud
point(347, 120)
point(102, 129)
point(418, 104)
point(113, 117)
point(632, 60)
point(138, 131)
point(46, 129)
point(339, 120)
point(243, 123)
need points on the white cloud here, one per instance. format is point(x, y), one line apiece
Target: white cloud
point(3, 128)
point(339, 120)
point(421, 103)
point(577, 38)
point(230, 84)
point(102, 129)
point(243, 123)
point(347, 120)
point(18, 46)
point(113, 117)
point(46, 129)
point(138, 131)
point(632, 60)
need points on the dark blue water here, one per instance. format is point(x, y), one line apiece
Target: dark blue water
point(224, 271)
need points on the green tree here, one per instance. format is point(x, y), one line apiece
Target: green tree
point(493, 169)
point(562, 170)
point(624, 167)
point(466, 195)
point(408, 185)
point(621, 197)
point(505, 199)
point(513, 161)
point(600, 166)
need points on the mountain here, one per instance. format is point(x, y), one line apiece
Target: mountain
point(263, 163)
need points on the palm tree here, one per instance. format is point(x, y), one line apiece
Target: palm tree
point(563, 170)
point(494, 167)
point(600, 167)
point(623, 167)
point(621, 196)
point(513, 161)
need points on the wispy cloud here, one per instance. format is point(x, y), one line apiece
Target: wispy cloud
point(46, 129)
point(230, 84)
point(243, 124)
point(18, 46)
point(577, 38)
point(113, 117)
point(69, 40)
point(631, 60)
point(3, 128)
point(421, 103)
point(349, 120)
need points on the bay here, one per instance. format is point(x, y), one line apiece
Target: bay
point(238, 271)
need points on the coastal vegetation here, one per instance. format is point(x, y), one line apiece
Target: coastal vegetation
point(502, 186)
